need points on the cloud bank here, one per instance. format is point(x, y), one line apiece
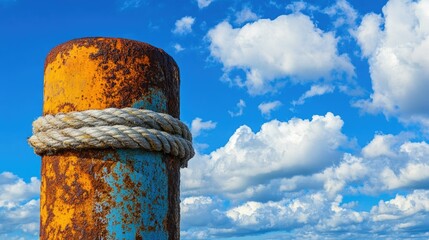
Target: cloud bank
point(295, 179)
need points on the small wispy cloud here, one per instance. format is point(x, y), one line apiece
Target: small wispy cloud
point(267, 107)
point(315, 90)
point(131, 4)
point(199, 125)
point(184, 25)
point(204, 3)
point(240, 105)
point(343, 13)
point(297, 6)
point(245, 15)
point(178, 48)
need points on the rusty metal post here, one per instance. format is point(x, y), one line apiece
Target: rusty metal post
point(114, 193)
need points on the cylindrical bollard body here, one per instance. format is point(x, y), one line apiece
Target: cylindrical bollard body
point(110, 193)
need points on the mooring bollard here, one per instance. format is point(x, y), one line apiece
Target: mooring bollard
point(113, 192)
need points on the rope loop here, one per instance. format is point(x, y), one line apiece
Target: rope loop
point(113, 128)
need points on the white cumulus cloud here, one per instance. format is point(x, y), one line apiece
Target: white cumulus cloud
point(336, 178)
point(402, 206)
point(369, 33)
point(198, 211)
point(13, 189)
point(184, 25)
point(380, 145)
point(396, 44)
point(292, 177)
point(413, 170)
point(317, 214)
point(19, 207)
point(270, 52)
point(315, 209)
point(279, 149)
point(396, 163)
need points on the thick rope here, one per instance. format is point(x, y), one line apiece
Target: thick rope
point(113, 116)
point(113, 128)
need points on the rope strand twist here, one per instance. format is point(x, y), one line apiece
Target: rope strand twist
point(113, 128)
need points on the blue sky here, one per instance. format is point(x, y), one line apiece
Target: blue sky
point(310, 118)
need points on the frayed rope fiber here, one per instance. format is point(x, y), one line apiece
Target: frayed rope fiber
point(113, 128)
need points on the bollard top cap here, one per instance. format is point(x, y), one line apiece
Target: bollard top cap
point(99, 72)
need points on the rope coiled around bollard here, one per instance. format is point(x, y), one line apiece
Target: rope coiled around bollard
point(113, 128)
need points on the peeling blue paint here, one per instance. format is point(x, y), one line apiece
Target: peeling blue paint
point(155, 101)
point(138, 204)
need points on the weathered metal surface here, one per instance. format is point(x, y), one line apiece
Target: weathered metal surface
point(110, 194)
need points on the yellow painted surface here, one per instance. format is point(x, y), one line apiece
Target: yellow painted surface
point(75, 82)
point(61, 86)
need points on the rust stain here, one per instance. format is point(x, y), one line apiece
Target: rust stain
point(172, 222)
